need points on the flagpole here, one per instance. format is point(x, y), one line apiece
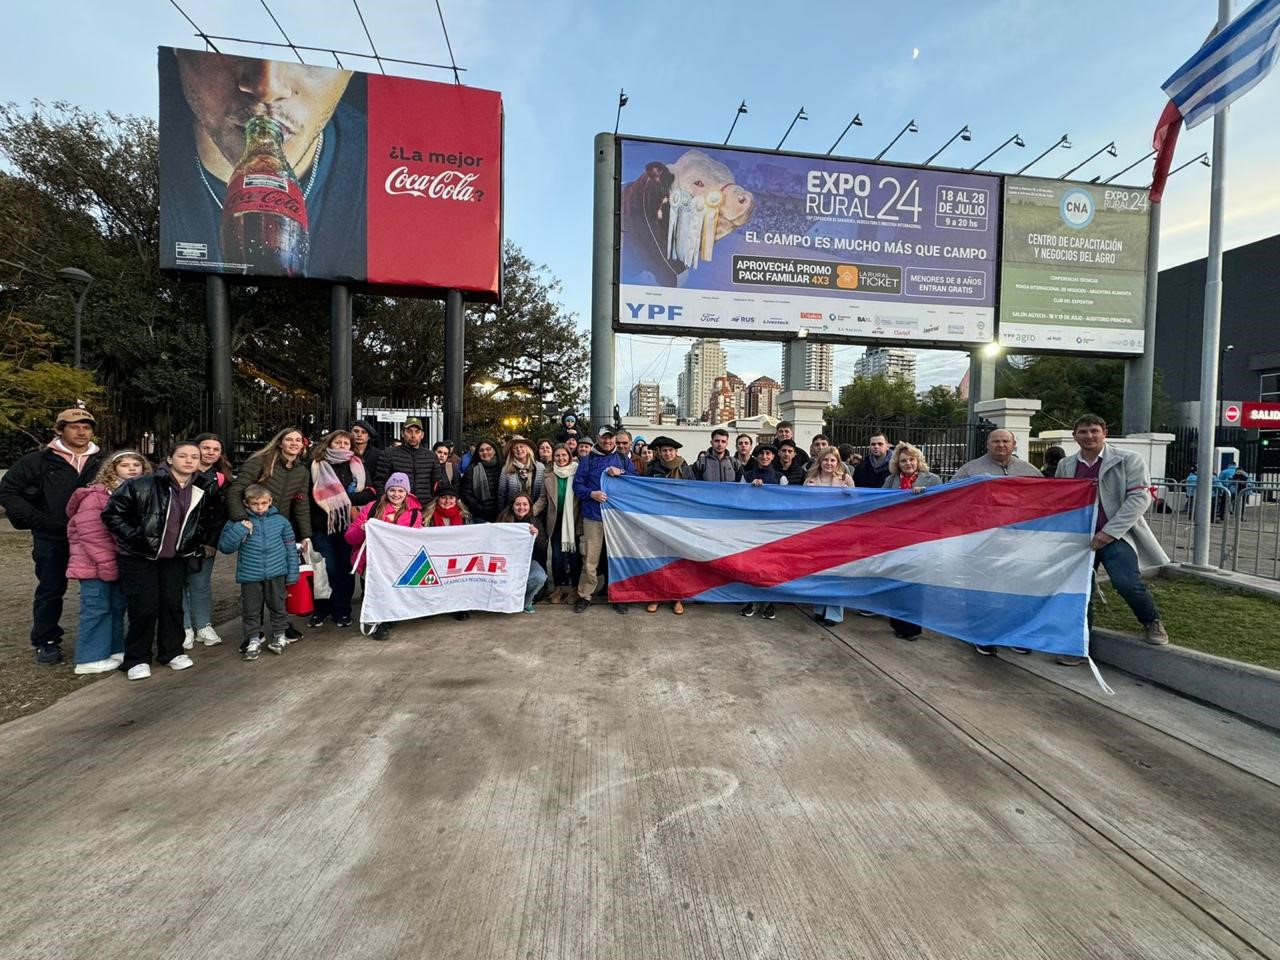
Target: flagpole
point(1205, 467)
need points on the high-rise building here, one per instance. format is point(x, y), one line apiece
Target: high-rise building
point(720, 405)
point(670, 411)
point(646, 401)
point(819, 365)
point(896, 363)
point(702, 364)
point(762, 397)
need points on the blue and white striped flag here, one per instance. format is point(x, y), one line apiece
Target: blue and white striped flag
point(1229, 64)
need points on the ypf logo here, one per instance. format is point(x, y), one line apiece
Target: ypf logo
point(1077, 209)
point(657, 312)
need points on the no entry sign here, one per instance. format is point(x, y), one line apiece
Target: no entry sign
point(1230, 415)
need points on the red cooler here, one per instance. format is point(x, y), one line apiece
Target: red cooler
point(298, 598)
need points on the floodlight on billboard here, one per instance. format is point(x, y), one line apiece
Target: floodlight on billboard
point(274, 169)
point(723, 241)
point(1073, 274)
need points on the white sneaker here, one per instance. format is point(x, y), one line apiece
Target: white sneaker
point(188, 639)
point(208, 636)
point(117, 658)
point(181, 662)
point(139, 671)
point(97, 666)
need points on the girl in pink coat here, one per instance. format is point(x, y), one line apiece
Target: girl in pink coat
point(100, 636)
point(396, 505)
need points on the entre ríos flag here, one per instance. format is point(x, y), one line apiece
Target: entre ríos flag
point(991, 560)
point(416, 572)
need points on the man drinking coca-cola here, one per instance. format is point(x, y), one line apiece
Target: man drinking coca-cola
point(263, 166)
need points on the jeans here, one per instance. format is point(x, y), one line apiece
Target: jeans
point(153, 597)
point(592, 547)
point(566, 565)
point(101, 629)
point(337, 566)
point(835, 614)
point(197, 597)
point(1121, 563)
point(51, 557)
point(537, 577)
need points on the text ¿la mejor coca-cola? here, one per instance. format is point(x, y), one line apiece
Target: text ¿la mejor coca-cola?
point(444, 185)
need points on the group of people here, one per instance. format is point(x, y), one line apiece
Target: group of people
point(143, 542)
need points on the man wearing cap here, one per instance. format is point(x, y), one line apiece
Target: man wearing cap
point(790, 464)
point(603, 461)
point(998, 461)
point(583, 450)
point(34, 494)
point(410, 458)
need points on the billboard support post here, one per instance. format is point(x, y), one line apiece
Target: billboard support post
point(602, 283)
point(982, 380)
point(217, 310)
point(1140, 372)
point(454, 345)
point(339, 357)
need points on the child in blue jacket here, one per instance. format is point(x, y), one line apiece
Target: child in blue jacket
point(267, 561)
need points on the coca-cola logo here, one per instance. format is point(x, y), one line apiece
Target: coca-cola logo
point(445, 185)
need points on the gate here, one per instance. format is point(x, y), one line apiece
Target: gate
point(946, 445)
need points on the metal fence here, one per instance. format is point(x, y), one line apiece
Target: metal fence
point(946, 445)
point(1244, 533)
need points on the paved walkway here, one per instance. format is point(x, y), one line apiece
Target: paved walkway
point(649, 787)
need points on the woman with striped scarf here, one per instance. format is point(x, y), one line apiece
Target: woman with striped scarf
point(339, 486)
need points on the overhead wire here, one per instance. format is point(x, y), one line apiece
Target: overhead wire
point(282, 33)
point(448, 45)
point(369, 37)
point(199, 33)
point(345, 53)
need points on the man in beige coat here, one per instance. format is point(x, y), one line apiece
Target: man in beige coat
point(1122, 541)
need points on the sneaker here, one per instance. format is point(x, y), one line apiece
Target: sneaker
point(462, 615)
point(767, 613)
point(139, 671)
point(208, 636)
point(188, 638)
point(867, 613)
point(1022, 650)
point(341, 622)
point(277, 645)
point(906, 636)
point(581, 605)
point(986, 649)
point(292, 635)
point(95, 666)
point(117, 658)
point(651, 608)
point(316, 620)
point(1155, 634)
point(48, 654)
point(619, 608)
point(748, 610)
point(678, 608)
point(528, 607)
point(381, 632)
point(251, 649)
point(181, 662)
point(1069, 661)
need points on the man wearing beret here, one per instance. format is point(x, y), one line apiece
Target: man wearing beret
point(34, 494)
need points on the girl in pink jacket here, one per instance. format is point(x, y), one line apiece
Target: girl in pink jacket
point(100, 636)
point(396, 505)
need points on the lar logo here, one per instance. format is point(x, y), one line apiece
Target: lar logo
point(420, 572)
point(1077, 209)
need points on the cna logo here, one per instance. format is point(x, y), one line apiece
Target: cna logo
point(422, 571)
point(1077, 208)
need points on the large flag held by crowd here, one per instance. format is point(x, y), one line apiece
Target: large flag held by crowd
point(991, 560)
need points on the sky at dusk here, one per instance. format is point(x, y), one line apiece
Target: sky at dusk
point(1090, 69)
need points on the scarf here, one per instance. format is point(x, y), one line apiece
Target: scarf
point(327, 489)
point(480, 480)
point(672, 473)
point(440, 517)
point(568, 532)
point(906, 482)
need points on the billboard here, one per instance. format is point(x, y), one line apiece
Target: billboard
point(1073, 266)
point(731, 242)
point(273, 169)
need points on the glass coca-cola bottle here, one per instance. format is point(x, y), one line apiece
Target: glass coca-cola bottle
point(264, 217)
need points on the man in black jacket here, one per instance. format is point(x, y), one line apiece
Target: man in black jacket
point(34, 494)
point(410, 458)
point(874, 468)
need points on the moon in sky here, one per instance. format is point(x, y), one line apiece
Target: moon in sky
point(915, 53)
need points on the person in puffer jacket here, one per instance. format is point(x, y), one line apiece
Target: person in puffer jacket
point(100, 635)
point(396, 505)
point(266, 563)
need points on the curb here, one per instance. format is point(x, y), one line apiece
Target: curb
point(1242, 583)
point(1244, 689)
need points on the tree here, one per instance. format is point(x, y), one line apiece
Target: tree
point(876, 398)
point(944, 404)
point(1069, 387)
point(31, 384)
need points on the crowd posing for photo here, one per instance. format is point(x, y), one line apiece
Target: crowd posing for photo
point(143, 542)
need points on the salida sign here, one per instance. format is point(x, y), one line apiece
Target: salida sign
point(392, 182)
point(1260, 416)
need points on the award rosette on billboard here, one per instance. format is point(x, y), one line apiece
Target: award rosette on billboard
point(1073, 266)
point(727, 242)
point(274, 169)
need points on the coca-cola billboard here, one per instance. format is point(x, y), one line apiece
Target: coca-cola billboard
point(275, 169)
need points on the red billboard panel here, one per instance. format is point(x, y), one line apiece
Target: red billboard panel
point(275, 169)
point(1260, 416)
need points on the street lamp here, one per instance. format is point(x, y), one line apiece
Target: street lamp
point(1121, 173)
point(742, 108)
point(963, 133)
point(1016, 140)
point(800, 115)
point(1109, 149)
point(909, 128)
point(1063, 141)
point(1203, 160)
point(1222, 361)
point(855, 122)
point(74, 275)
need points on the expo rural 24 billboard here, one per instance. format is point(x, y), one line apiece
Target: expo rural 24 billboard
point(732, 242)
point(274, 169)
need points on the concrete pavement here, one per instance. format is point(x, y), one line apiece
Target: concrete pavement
point(647, 787)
